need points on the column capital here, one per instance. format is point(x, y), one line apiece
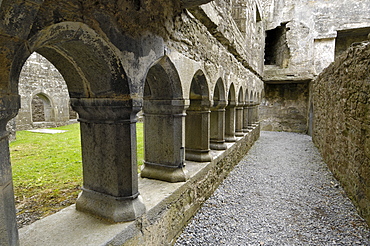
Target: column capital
point(106, 110)
point(219, 105)
point(165, 107)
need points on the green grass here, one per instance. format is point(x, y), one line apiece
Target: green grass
point(47, 168)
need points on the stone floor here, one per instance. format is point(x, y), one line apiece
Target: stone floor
point(281, 193)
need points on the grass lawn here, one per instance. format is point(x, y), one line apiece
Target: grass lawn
point(47, 169)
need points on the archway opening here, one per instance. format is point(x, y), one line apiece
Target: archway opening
point(198, 120)
point(217, 124)
point(164, 116)
point(230, 116)
point(95, 78)
point(239, 114)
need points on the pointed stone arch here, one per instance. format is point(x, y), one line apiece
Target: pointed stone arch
point(217, 124)
point(197, 123)
point(230, 115)
point(90, 65)
point(163, 81)
point(164, 118)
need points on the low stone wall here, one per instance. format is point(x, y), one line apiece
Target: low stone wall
point(169, 207)
point(341, 122)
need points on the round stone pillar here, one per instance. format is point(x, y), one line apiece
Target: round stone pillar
point(230, 122)
point(197, 129)
point(108, 140)
point(239, 120)
point(217, 126)
point(9, 105)
point(164, 124)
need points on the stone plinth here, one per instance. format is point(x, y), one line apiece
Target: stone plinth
point(164, 140)
point(217, 130)
point(108, 139)
point(230, 122)
point(197, 132)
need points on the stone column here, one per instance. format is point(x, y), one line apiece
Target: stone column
point(246, 116)
point(197, 128)
point(256, 113)
point(9, 105)
point(251, 114)
point(108, 139)
point(230, 122)
point(164, 124)
point(217, 126)
point(239, 120)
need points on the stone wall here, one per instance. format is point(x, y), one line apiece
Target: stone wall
point(341, 122)
point(284, 107)
point(44, 95)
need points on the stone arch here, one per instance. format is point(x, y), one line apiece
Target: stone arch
point(164, 113)
point(240, 96)
point(163, 81)
point(230, 115)
point(219, 93)
point(199, 90)
point(197, 123)
point(247, 96)
point(100, 93)
point(42, 108)
point(90, 65)
point(217, 124)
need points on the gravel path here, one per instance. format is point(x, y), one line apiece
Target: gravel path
point(281, 193)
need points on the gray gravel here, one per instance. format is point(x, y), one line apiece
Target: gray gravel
point(281, 193)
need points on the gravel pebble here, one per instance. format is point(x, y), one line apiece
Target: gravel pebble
point(281, 193)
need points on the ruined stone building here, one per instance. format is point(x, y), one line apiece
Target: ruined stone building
point(198, 69)
point(44, 96)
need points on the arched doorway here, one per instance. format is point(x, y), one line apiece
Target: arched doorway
point(42, 108)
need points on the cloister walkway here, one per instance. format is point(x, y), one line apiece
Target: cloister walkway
point(281, 193)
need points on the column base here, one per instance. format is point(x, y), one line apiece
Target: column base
point(111, 208)
point(164, 173)
point(197, 155)
point(239, 134)
point(217, 145)
point(230, 139)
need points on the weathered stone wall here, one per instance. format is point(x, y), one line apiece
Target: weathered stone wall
point(309, 21)
point(284, 107)
point(44, 95)
point(314, 31)
point(341, 122)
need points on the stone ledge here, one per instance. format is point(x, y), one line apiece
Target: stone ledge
point(169, 207)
